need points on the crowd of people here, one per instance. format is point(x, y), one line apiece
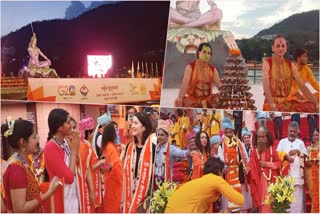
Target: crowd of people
point(84, 167)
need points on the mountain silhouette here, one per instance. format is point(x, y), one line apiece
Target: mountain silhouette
point(126, 30)
point(301, 31)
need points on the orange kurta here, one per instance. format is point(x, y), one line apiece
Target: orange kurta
point(199, 92)
point(184, 123)
point(112, 179)
point(83, 187)
point(198, 160)
point(281, 82)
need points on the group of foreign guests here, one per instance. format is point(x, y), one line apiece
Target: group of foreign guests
point(72, 174)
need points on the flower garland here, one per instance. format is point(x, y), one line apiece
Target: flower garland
point(262, 169)
point(314, 156)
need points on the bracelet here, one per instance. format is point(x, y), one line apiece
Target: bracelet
point(39, 200)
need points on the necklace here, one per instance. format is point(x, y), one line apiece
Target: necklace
point(58, 142)
point(262, 169)
point(24, 162)
point(64, 146)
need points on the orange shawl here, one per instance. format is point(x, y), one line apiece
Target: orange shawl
point(134, 196)
point(96, 177)
point(82, 170)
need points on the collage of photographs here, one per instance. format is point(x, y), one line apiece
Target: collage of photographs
point(181, 106)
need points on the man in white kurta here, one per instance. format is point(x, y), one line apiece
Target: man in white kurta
point(295, 149)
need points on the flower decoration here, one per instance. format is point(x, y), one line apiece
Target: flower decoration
point(235, 52)
point(281, 194)
point(161, 196)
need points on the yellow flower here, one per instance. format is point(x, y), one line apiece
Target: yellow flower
point(280, 198)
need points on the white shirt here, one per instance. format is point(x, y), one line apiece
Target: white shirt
point(277, 114)
point(71, 199)
point(286, 146)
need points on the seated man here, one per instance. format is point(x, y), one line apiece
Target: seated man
point(301, 58)
point(187, 14)
point(278, 75)
point(198, 79)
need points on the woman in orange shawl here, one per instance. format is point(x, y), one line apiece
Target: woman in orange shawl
point(312, 171)
point(112, 176)
point(138, 164)
point(200, 156)
point(91, 161)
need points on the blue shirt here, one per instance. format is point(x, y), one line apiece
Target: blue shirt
point(160, 159)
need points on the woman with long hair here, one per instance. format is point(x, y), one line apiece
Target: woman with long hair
point(22, 191)
point(138, 164)
point(112, 178)
point(312, 171)
point(84, 177)
point(201, 155)
point(60, 155)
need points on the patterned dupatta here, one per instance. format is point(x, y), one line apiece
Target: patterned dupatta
point(232, 160)
point(165, 162)
point(96, 176)
point(136, 189)
point(82, 170)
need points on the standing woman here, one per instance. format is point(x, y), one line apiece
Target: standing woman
point(22, 191)
point(112, 179)
point(86, 128)
point(312, 171)
point(201, 155)
point(138, 164)
point(61, 154)
point(84, 178)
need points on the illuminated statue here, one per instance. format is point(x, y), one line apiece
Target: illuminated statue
point(187, 14)
point(38, 68)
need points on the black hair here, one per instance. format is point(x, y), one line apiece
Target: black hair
point(146, 122)
point(114, 123)
point(57, 117)
point(21, 129)
point(87, 133)
point(198, 143)
point(132, 107)
point(214, 166)
point(180, 112)
point(204, 44)
point(315, 130)
point(298, 52)
point(109, 134)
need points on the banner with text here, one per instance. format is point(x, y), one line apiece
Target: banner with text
point(94, 90)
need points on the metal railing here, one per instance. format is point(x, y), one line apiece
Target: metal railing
point(256, 68)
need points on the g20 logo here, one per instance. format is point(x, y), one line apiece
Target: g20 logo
point(67, 90)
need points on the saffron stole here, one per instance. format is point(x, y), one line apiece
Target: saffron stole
point(144, 175)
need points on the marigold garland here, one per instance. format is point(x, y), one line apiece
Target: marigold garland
point(235, 52)
point(315, 182)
